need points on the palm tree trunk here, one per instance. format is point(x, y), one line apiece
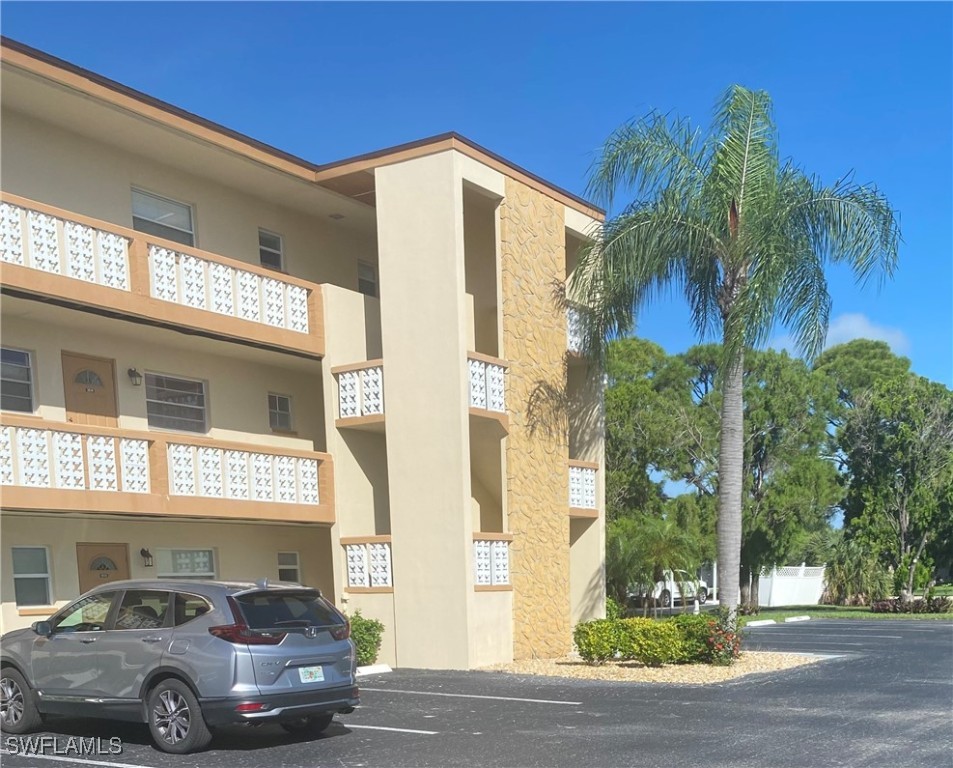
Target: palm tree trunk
point(730, 460)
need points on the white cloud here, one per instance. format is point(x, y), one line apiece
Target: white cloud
point(848, 327)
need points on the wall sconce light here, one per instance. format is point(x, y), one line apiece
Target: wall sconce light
point(146, 557)
point(135, 377)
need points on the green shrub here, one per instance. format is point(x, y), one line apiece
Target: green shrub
point(651, 642)
point(367, 635)
point(695, 631)
point(597, 641)
point(929, 605)
point(613, 609)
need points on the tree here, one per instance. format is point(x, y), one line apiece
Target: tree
point(744, 235)
point(898, 447)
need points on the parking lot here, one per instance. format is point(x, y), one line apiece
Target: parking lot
point(882, 696)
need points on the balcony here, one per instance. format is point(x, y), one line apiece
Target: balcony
point(369, 563)
point(487, 381)
point(491, 562)
point(583, 496)
point(77, 261)
point(360, 395)
point(65, 467)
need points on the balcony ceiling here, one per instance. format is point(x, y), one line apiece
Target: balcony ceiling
point(147, 335)
point(73, 111)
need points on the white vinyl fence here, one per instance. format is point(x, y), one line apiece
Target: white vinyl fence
point(791, 585)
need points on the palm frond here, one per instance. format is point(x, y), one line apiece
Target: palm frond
point(649, 154)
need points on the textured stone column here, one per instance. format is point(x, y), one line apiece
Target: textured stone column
point(532, 244)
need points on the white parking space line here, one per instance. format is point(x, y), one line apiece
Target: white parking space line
point(63, 759)
point(839, 634)
point(471, 696)
point(386, 728)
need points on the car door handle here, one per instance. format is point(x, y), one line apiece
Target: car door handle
point(88, 640)
point(152, 639)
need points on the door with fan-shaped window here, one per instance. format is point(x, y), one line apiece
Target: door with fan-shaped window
point(90, 388)
point(101, 563)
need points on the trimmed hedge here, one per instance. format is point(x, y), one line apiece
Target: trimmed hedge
point(683, 639)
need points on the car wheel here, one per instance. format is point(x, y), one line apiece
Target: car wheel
point(312, 725)
point(18, 712)
point(175, 718)
point(702, 596)
point(665, 599)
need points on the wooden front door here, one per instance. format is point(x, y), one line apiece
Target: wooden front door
point(101, 563)
point(89, 384)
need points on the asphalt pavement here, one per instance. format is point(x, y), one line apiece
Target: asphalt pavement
point(881, 696)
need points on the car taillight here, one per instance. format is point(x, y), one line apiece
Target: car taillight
point(341, 631)
point(239, 632)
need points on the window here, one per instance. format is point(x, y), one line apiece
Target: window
point(86, 615)
point(305, 608)
point(173, 403)
point(279, 412)
point(158, 216)
point(16, 380)
point(185, 564)
point(143, 609)
point(288, 567)
point(188, 607)
point(31, 575)
point(269, 249)
point(366, 278)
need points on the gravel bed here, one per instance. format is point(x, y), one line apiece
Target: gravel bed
point(629, 671)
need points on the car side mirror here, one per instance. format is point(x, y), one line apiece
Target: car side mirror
point(43, 628)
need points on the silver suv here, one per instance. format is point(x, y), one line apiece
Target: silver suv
point(183, 657)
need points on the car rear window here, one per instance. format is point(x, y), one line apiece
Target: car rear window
point(266, 610)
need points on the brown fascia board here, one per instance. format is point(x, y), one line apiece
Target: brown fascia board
point(83, 80)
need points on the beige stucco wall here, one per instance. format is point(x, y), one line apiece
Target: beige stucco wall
point(425, 390)
point(362, 497)
point(50, 165)
point(532, 238)
point(242, 551)
point(491, 637)
point(237, 390)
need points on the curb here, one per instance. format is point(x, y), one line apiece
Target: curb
point(761, 623)
point(373, 669)
point(797, 618)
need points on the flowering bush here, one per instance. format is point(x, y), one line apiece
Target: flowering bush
point(724, 641)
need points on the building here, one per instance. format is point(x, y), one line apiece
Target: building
point(222, 360)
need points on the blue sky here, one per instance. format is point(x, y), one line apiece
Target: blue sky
point(866, 87)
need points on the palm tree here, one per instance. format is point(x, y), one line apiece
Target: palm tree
point(744, 235)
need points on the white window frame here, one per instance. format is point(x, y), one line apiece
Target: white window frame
point(296, 566)
point(173, 201)
point(30, 367)
point(372, 268)
point(192, 576)
point(280, 252)
point(47, 575)
point(205, 407)
point(290, 427)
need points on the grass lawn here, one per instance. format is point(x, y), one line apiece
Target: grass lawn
point(945, 591)
point(838, 612)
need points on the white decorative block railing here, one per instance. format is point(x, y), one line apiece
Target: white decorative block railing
point(491, 561)
point(360, 391)
point(574, 330)
point(182, 278)
point(487, 384)
point(61, 247)
point(369, 563)
point(582, 486)
point(241, 475)
point(47, 458)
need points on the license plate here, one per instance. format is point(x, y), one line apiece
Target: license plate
point(311, 674)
